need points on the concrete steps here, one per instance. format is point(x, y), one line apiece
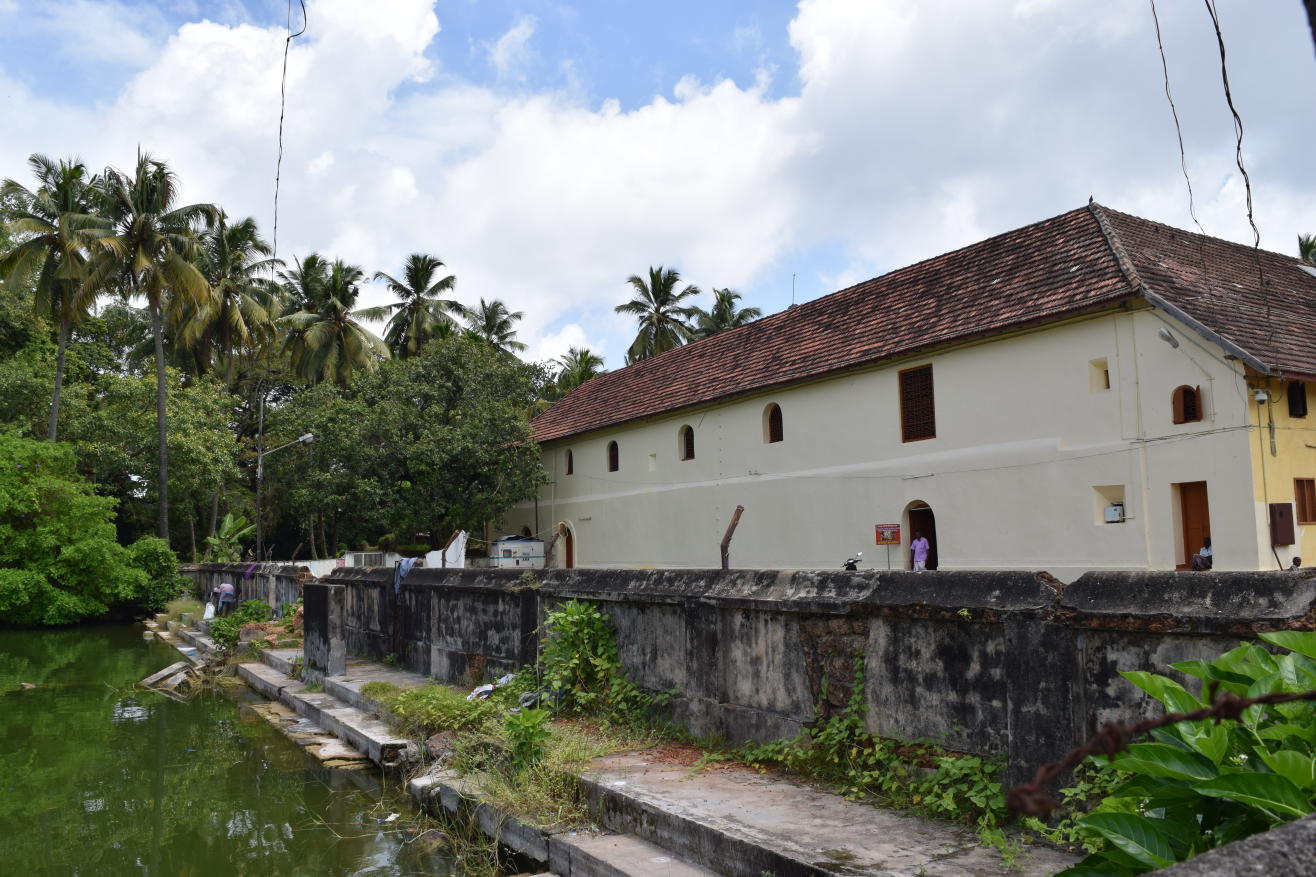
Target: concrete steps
point(354, 727)
point(567, 853)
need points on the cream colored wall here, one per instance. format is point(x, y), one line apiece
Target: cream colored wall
point(1021, 443)
point(1294, 456)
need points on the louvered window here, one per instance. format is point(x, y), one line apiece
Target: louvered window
point(1187, 404)
point(614, 458)
point(1304, 491)
point(918, 417)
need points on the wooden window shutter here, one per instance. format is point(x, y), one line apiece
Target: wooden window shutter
point(687, 443)
point(1187, 404)
point(775, 432)
point(918, 418)
point(1304, 492)
point(614, 458)
point(571, 463)
point(1297, 399)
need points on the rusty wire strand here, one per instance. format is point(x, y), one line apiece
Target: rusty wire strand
point(1032, 798)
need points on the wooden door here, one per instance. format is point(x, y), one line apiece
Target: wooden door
point(922, 521)
point(1196, 519)
point(570, 551)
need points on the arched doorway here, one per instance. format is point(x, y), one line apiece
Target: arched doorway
point(920, 521)
point(568, 549)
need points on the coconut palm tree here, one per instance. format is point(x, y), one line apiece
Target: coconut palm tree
point(662, 317)
point(413, 319)
point(236, 261)
point(326, 342)
point(493, 323)
point(1307, 248)
point(54, 223)
point(723, 315)
point(148, 252)
point(579, 365)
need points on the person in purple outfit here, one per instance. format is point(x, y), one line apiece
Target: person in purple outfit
point(228, 598)
point(919, 547)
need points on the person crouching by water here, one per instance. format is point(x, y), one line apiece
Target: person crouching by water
point(1203, 559)
point(228, 598)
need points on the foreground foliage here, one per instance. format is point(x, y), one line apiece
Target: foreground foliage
point(1200, 785)
point(59, 559)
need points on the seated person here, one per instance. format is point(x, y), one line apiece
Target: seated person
point(1203, 559)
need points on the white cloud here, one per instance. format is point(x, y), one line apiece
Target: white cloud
point(511, 54)
point(918, 127)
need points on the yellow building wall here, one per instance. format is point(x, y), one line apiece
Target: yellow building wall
point(1274, 470)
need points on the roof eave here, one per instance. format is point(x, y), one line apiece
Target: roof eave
point(1201, 329)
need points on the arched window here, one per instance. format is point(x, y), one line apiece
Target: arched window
point(614, 459)
point(686, 442)
point(1187, 404)
point(772, 431)
point(571, 463)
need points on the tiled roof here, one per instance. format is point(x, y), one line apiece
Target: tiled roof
point(1218, 283)
point(1055, 268)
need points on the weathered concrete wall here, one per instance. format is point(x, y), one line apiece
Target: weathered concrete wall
point(277, 584)
point(325, 645)
point(998, 663)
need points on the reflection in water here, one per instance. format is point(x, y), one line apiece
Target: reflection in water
point(99, 778)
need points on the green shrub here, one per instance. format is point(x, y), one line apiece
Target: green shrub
point(1200, 785)
point(422, 712)
point(527, 734)
point(226, 631)
point(581, 666)
point(163, 583)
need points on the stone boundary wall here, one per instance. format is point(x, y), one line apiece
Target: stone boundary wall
point(995, 663)
point(277, 584)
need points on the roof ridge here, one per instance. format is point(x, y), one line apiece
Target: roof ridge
point(1116, 246)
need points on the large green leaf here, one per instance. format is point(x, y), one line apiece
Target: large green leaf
point(1209, 672)
point(1160, 760)
point(1281, 731)
point(1268, 791)
point(1138, 836)
point(1208, 739)
point(1302, 642)
point(1300, 769)
point(1175, 697)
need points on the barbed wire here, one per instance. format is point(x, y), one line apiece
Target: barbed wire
point(1032, 798)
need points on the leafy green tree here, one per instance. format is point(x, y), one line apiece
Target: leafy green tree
point(723, 315)
point(325, 341)
point(237, 263)
point(1307, 248)
point(420, 313)
point(491, 322)
point(54, 223)
point(425, 445)
point(662, 318)
point(148, 253)
point(579, 365)
point(59, 560)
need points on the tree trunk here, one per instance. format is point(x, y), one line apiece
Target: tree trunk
point(191, 526)
point(214, 513)
point(59, 378)
point(161, 424)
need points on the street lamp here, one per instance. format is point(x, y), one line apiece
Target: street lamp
point(260, 475)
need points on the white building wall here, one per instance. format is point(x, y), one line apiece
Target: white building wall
point(1022, 440)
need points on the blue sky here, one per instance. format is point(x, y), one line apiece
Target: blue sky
point(547, 150)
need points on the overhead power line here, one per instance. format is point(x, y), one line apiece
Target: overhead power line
point(283, 100)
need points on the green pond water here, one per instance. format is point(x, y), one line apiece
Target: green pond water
point(99, 778)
